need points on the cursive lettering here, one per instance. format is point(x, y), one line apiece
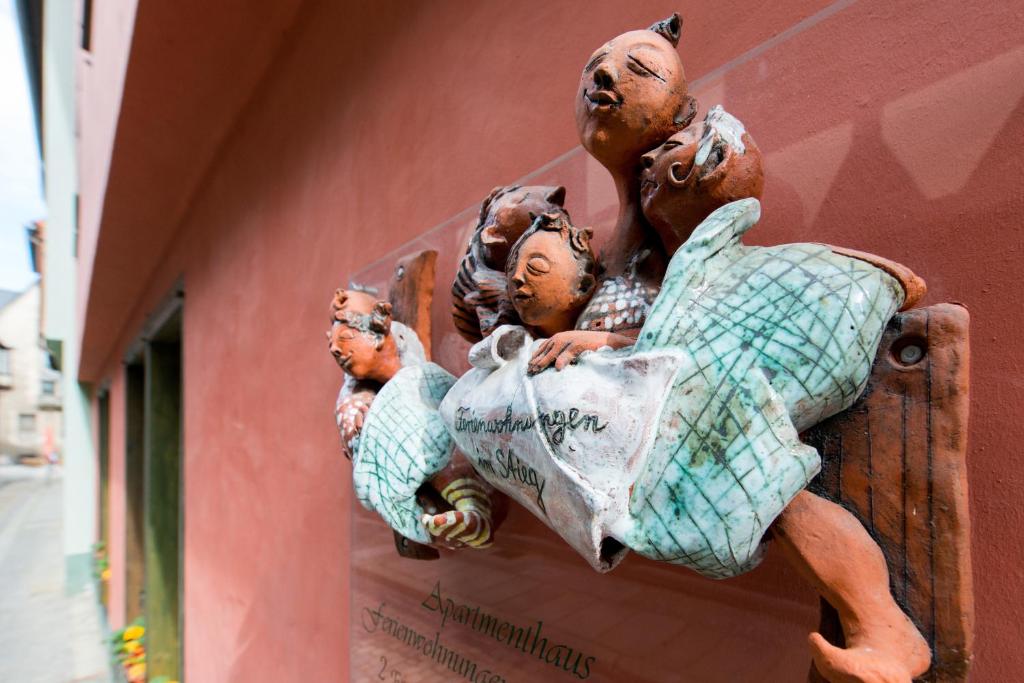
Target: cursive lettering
point(554, 423)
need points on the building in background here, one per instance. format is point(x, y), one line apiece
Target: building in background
point(30, 386)
point(237, 161)
point(51, 37)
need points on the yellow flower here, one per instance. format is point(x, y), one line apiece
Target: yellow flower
point(105, 575)
point(133, 646)
point(134, 632)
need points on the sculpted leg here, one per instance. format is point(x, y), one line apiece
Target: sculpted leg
point(834, 552)
point(471, 523)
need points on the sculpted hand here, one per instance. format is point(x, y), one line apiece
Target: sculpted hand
point(350, 413)
point(565, 348)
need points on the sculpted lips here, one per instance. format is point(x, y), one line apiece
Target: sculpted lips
point(603, 99)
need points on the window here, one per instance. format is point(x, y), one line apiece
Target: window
point(27, 423)
point(49, 387)
point(5, 361)
point(87, 25)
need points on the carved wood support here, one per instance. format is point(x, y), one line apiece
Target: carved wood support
point(897, 461)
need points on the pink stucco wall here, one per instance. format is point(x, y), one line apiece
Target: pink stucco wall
point(886, 127)
point(117, 543)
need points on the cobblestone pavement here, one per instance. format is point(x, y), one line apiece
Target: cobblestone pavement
point(46, 635)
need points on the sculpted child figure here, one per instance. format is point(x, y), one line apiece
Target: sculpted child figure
point(373, 349)
point(479, 301)
point(551, 274)
point(824, 541)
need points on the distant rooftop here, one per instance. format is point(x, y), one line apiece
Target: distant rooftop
point(7, 296)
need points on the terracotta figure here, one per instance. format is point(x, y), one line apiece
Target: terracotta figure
point(881, 642)
point(696, 171)
point(479, 301)
point(386, 411)
point(551, 274)
point(632, 96)
point(685, 448)
point(859, 586)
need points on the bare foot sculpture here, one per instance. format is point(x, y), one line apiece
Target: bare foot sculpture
point(834, 553)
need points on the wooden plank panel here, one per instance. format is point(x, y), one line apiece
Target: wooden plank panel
point(411, 292)
point(896, 459)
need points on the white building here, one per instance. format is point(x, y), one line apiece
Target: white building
point(30, 391)
point(56, 44)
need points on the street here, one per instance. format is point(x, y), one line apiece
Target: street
point(46, 635)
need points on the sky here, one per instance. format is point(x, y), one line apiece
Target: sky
point(21, 192)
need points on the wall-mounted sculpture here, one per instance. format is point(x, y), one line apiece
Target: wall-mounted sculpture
point(386, 411)
point(666, 405)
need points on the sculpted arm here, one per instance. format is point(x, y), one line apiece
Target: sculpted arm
point(565, 348)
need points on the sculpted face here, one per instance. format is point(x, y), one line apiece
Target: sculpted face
point(696, 171)
point(550, 279)
point(632, 95)
point(360, 339)
point(668, 180)
point(508, 213)
point(354, 351)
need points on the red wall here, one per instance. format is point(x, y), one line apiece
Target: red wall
point(888, 127)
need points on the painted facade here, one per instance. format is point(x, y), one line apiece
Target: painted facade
point(286, 147)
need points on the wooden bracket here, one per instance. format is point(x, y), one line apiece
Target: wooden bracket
point(897, 460)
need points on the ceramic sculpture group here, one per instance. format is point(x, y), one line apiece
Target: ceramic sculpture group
point(649, 399)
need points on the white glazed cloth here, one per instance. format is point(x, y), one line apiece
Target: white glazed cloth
point(566, 445)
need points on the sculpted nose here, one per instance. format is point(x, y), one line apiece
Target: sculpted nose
point(648, 159)
point(605, 77)
point(517, 279)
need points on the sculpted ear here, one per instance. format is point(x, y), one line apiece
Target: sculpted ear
point(338, 302)
point(485, 206)
point(678, 175)
point(587, 284)
point(556, 195)
point(490, 237)
point(382, 311)
point(687, 110)
point(669, 29)
point(580, 239)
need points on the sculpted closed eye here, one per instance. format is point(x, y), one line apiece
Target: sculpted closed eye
point(638, 67)
point(594, 62)
point(538, 265)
